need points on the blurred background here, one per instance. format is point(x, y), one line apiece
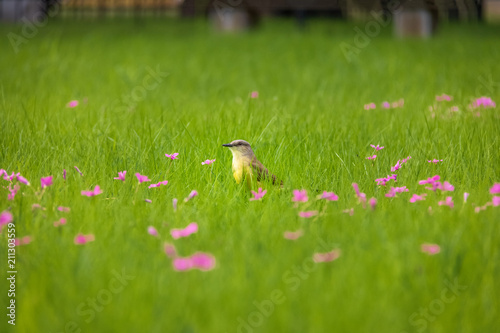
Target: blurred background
point(419, 18)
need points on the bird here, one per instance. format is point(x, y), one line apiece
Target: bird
point(246, 166)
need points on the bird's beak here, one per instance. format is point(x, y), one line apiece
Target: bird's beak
point(227, 145)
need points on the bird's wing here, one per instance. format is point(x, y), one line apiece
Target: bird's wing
point(262, 172)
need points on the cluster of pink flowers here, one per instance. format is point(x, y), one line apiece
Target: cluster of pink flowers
point(435, 161)
point(399, 164)
point(417, 197)
point(370, 106)
point(430, 249)
point(293, 235)
point(207, 162)
point(165, 182)
point(96, 191)
point(199, 260)
point(16, 176)
point(371, 157)
point(60, 222)
point(436, 184)
point(377, 147)
point(443, 97)
point(386, 105)
point(326, 257)
point(81, 239)
point(189, 230)
point(484, 102)
point(495, 200)
point(329, 196)
point(448, 202)
point(394, 190)
point(383, 181)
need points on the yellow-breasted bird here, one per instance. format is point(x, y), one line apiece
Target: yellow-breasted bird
point(246, 166)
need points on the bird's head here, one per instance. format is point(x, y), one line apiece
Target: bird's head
point(239, 147)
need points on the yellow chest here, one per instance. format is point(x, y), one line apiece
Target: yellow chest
point(241, 169)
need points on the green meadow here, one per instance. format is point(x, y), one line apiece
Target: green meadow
point(150, 87)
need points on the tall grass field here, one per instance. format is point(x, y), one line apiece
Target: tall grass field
point(95, 98)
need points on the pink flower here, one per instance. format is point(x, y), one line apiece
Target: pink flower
point(5, 218)
point(96, 191)
point(64, 174)
point(199, 260)
point(466, 195)
point(361, 196)
point(61, 221)
point(81, 239)
point(142, 178)
point(46, 181)
point(174, 204)
point(36, 206)
point(254, 94)
point(485, 102)
point(13, 192)
point(326, 257)
point(173, 156)
point(203, 261)
point(300, 196)
point(148, 200)
point(349, 211)
point(121, 176)
point(308, 214)
point(448, 202)
point(2, 172)
point(165, 182)
point(396, 167)
point(386, 105)
point(152, 231)
point(371, 157)
point(330, 196)
point(400, 163)
point(495, 201)
point(21, 179)
point(293, 235)
point(383, 181)
point(370, 106)
point(447, 187)
point(430, 180)
point(23, 241)
point(191, 195)
point(81, 174)
point(434, 161)
point(495, 189)
point(443, 97)
point(207, 162)
point(373, 203)
point(190, 229)
point(394, 190)
point(377, 147)
point(170, 250)
point(72, 104)
point(417, 197)
point(454, 109)
point(258, 195)
point(430, 249)
point(7, 177)
point(63, 209)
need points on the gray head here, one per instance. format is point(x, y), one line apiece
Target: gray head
point(239, 147)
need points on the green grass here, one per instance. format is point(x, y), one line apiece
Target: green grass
point(308, 126)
